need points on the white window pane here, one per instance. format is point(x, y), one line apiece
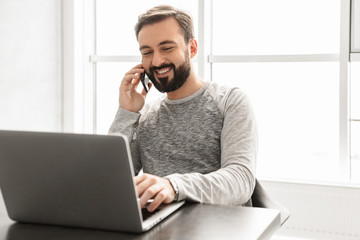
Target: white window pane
point(355, 90)
point(276, 27)
point(109, 76)
point(296, 106)
point(355, 22)
point(355, 126)
point(116, 20)
point(355, 152)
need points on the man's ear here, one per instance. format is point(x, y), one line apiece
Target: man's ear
point(193, 48)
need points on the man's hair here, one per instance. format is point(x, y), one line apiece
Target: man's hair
point(162, 12)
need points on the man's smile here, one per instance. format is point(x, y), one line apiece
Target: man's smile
point(163, 72)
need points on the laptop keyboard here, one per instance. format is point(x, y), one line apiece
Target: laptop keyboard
point(146, 214)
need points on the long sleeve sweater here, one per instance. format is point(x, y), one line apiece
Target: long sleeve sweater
point(206, 143)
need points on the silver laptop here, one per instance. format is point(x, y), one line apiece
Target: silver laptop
point(73, 180)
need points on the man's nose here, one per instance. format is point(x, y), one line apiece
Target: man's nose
point(158, 59)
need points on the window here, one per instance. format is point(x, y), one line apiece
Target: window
point(355, 123)
point(297, 115)
point(294, 69)
point(118, 37)
point(275, 27)
point(355, 90)
point(296, 133)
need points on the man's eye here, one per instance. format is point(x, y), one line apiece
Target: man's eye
point(146, 53)
point(167, 48)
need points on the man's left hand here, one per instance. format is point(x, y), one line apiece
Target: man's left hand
point(153, 187)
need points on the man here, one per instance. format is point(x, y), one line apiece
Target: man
point(199, 141)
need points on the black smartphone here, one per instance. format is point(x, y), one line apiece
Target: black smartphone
point(145, 81)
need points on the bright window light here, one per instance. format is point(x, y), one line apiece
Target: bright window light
point(296, 106)
point(116, 21)
point(276, 26)
point(296, 103)
point(355, 124)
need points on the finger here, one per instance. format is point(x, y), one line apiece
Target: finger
point(159, 198)
point(138, 66)
point(131, 75)
point(142, 186)
point(127, 80)
point(133, 72)
point(136, 79)
point(150, 193)
point(139, 178)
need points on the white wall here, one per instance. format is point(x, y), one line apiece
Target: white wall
point(30, 65)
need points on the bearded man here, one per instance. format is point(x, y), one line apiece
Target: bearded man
point(198, 142)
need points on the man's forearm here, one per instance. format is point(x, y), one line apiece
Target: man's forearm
point(231, 185)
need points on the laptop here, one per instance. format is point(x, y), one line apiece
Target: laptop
point(76, 180)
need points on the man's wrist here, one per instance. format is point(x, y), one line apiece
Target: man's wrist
point(175, 188)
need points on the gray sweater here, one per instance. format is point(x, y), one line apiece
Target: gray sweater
point(206, 143)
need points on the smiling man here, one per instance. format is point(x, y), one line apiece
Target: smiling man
point(198, 142)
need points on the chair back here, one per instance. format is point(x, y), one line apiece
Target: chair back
point(260, 198)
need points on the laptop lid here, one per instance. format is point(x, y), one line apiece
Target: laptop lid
point(69, 179)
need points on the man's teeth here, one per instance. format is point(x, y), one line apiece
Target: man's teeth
point(163, 71)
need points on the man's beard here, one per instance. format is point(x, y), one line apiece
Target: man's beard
point(181, 74)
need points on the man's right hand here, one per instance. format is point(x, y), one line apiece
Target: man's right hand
point(129, 98)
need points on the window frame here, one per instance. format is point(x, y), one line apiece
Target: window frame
point(80, 62)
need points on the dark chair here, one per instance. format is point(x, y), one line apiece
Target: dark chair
point(261, 199)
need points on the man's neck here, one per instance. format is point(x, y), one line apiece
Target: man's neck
point(192, 85)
